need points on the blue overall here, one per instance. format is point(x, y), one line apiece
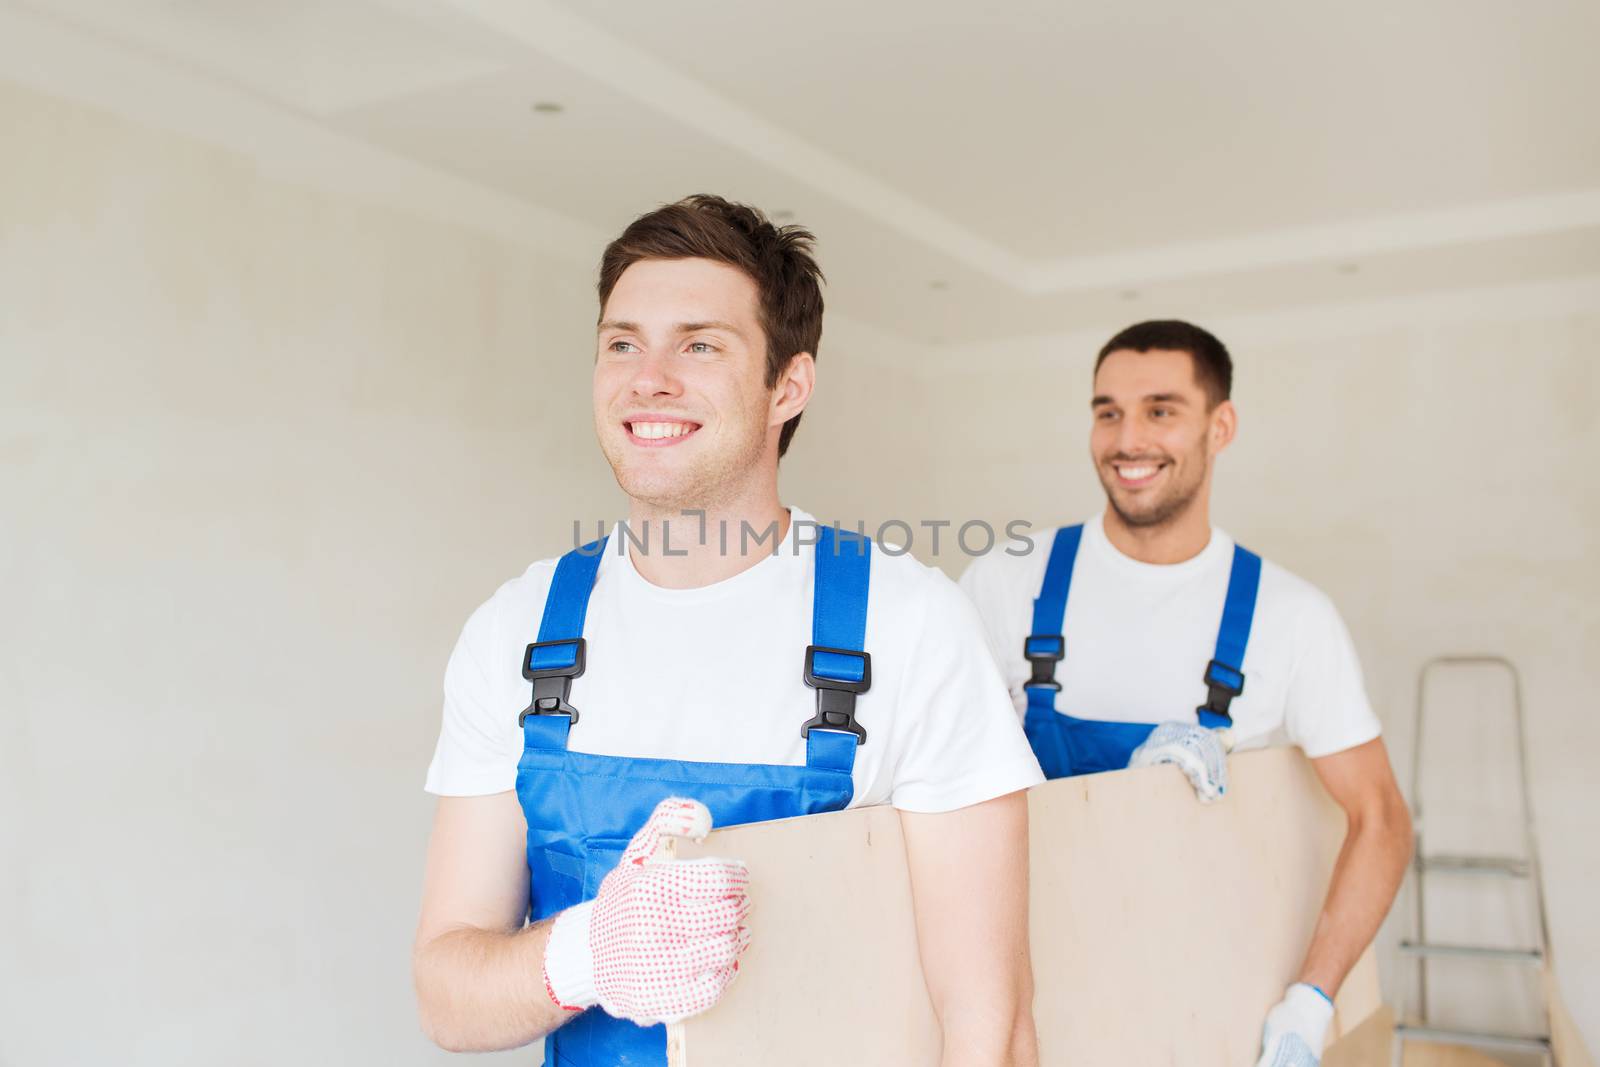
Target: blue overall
point(1066, 745)
point(582, 809)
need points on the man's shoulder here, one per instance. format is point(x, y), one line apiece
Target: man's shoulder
point(911, 593)
point(520, 598)
point(1019, 558)
point(1288, 596)
point(532, 584)
point(900, 577)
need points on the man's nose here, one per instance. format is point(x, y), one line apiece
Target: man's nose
point(1133, 437)
point(653, 375)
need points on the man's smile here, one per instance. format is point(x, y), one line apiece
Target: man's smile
point(659, 431)
point(1136, 474)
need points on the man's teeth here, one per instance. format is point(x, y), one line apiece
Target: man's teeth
point(1135, 474)
point(653, 431)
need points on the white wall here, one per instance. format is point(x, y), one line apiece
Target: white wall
point(1429, 463)
point(263, 448)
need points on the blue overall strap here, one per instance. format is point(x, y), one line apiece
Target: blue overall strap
point(1224, 675)
point(1046, 646)
point(553, 661)
point(837, 666)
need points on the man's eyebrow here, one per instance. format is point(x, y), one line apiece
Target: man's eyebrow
point(682, 327)
point(710, 324)
point(1151, 398)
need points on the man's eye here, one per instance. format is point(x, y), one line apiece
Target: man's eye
point(1105, 416)
point(701, 348)
point(622, 346)
point(1161, 413)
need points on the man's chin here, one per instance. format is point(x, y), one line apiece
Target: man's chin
point(1143, 512)
point(1141, 520)
point(660, 489)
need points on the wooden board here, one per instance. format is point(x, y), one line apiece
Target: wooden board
point(1565, 1041)
point(1368, 1045)
point(1372, 1045)
point(1162, 929)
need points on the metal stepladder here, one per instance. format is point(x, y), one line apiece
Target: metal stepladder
point(1498, 867)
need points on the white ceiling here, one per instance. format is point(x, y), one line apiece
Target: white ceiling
point(1030, 167)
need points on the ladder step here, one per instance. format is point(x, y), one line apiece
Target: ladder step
point(1482, 952)
point(1502, 866)
point(1509, 1042)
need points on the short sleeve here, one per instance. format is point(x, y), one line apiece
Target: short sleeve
point(998, 605)
point(1326, 710)
point(962, 741)
point(478, 750)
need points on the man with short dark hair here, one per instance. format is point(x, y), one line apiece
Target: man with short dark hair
point(1146, 636)
point(662, 692)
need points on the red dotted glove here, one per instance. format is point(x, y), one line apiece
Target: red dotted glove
point(661, 940)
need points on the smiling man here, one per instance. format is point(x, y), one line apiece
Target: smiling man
point(1130, 639)
point(722, 660)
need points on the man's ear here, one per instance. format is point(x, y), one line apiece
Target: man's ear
point(1224, 426)
point(793, 391)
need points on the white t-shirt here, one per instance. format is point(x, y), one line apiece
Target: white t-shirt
point(714, 675)
point(1139, 636)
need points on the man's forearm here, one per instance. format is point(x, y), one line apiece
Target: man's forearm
point(969, 886)
point(482, 990)
point(971, 1038)
point(1367, 876)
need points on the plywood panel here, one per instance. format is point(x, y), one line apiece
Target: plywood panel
point(1372, 1045)
point(1162, 930)
point(1565, 1041)
point(832, 973)
point(1367, 1045)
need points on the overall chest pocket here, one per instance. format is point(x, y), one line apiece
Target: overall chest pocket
point(567, 872)
point(601, 856)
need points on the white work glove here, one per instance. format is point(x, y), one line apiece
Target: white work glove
point(661, 940)
point(1296, 1029)
point(1198, 752)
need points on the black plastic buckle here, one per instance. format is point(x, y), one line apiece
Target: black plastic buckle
point(1219, 690)
point(552, 685)
point(1044, 663)
point(836, 698)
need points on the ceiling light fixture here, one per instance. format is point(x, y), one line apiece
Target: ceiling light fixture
point(938, 285)
point(549, 107)
point(783, 215)
point(1129, 294)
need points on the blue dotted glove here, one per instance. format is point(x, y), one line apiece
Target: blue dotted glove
point(1196, 750)
point(1296, 1029)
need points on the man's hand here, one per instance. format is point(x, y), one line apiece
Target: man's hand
point(661, 940)
point(1296, 1029)
point(1196, 750)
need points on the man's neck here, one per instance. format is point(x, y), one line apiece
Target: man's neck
point(1182, 537)
point(691, 547)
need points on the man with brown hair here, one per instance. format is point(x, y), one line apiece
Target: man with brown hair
point(666, 694)
point(1128, 639)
